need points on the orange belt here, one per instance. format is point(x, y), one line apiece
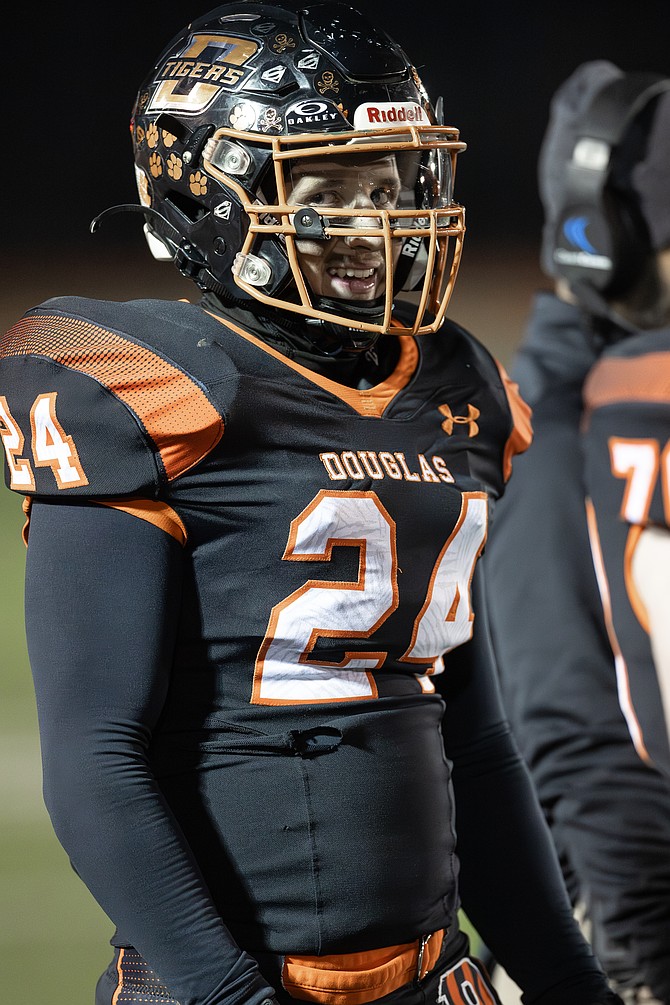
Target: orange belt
point(356, 978)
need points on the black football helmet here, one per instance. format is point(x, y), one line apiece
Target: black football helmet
point(239, 106)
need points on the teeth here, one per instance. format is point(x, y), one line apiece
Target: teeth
point(351, 273)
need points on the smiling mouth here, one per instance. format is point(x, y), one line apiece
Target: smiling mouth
point(351, 273)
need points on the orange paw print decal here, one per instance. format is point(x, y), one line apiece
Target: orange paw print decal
point(152, 135)
point(168, 138)
point(198, 183)
point(155, 166)
point(143, 188)
point(140, 135)
point(175, 167)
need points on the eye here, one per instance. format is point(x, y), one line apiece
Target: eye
point(384, 197)
point(323, 197)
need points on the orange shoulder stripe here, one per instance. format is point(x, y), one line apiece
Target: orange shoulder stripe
point(643, 378)
point(174, 410)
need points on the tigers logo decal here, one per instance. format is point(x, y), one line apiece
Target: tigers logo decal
point(190, 80)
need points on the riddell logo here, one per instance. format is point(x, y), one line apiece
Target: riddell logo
point(389, 113)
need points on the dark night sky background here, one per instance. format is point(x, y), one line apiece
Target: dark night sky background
point(71, 72)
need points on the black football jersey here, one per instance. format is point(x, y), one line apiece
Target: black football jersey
point(330, 537)
point(626, 440)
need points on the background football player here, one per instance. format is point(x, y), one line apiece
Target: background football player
point(605, 186)
point(253, 528)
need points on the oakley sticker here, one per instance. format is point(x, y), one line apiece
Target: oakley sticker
point(311, 114)
point(191, 79)
point(380, 114)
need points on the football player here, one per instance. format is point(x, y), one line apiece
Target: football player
point(605, 186)
point(254, 522)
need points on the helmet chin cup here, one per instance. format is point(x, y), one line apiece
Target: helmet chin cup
point(239, 106)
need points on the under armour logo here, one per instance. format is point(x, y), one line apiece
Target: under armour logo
point(468, 420)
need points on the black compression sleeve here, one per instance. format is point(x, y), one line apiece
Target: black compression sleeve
point(511, 886)
point(102, 596)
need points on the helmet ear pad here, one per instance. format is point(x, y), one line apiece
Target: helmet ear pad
point(603, 246)
point(631, 244)
point(601, 242)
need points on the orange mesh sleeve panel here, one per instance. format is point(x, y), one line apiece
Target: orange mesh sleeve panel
point(171, 406)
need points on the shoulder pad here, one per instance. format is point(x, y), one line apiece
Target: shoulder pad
point(87, 408)
point(513, 426)
point(635, 372)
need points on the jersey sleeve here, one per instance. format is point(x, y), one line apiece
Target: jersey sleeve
point(87, 409)
point(100, 691)
point(481, 396)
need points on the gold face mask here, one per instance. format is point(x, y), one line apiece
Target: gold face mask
point(361, 215)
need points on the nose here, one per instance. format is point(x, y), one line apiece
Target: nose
point(363, 201)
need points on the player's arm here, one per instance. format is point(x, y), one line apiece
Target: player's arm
point(100, 623)
point(651, 578)
point(511, 885)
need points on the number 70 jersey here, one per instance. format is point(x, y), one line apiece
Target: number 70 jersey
point(330, 534)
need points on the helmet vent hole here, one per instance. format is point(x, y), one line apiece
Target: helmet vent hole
point(190, 208)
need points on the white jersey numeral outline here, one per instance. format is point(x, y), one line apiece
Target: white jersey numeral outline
point(21, 475)
point(286, 671)
point(51, 446)
point(637, 461)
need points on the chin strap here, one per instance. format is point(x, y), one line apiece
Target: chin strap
point(149, 214)
point(190, 263)
point(326, 337)
point(607, 327)
point(332, 339)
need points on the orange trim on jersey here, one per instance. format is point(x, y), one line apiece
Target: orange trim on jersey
point(171, 405)
point(371, 402)
point(157, 513)
point(521, 436)
point(119, 970)
point(356, 978)
point(636, 602)
point(645, 378)
point(25, 530)
point(623, 682)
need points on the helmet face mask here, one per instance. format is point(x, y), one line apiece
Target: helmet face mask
point(285, 179)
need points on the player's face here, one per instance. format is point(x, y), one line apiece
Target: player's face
point(347, 267)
